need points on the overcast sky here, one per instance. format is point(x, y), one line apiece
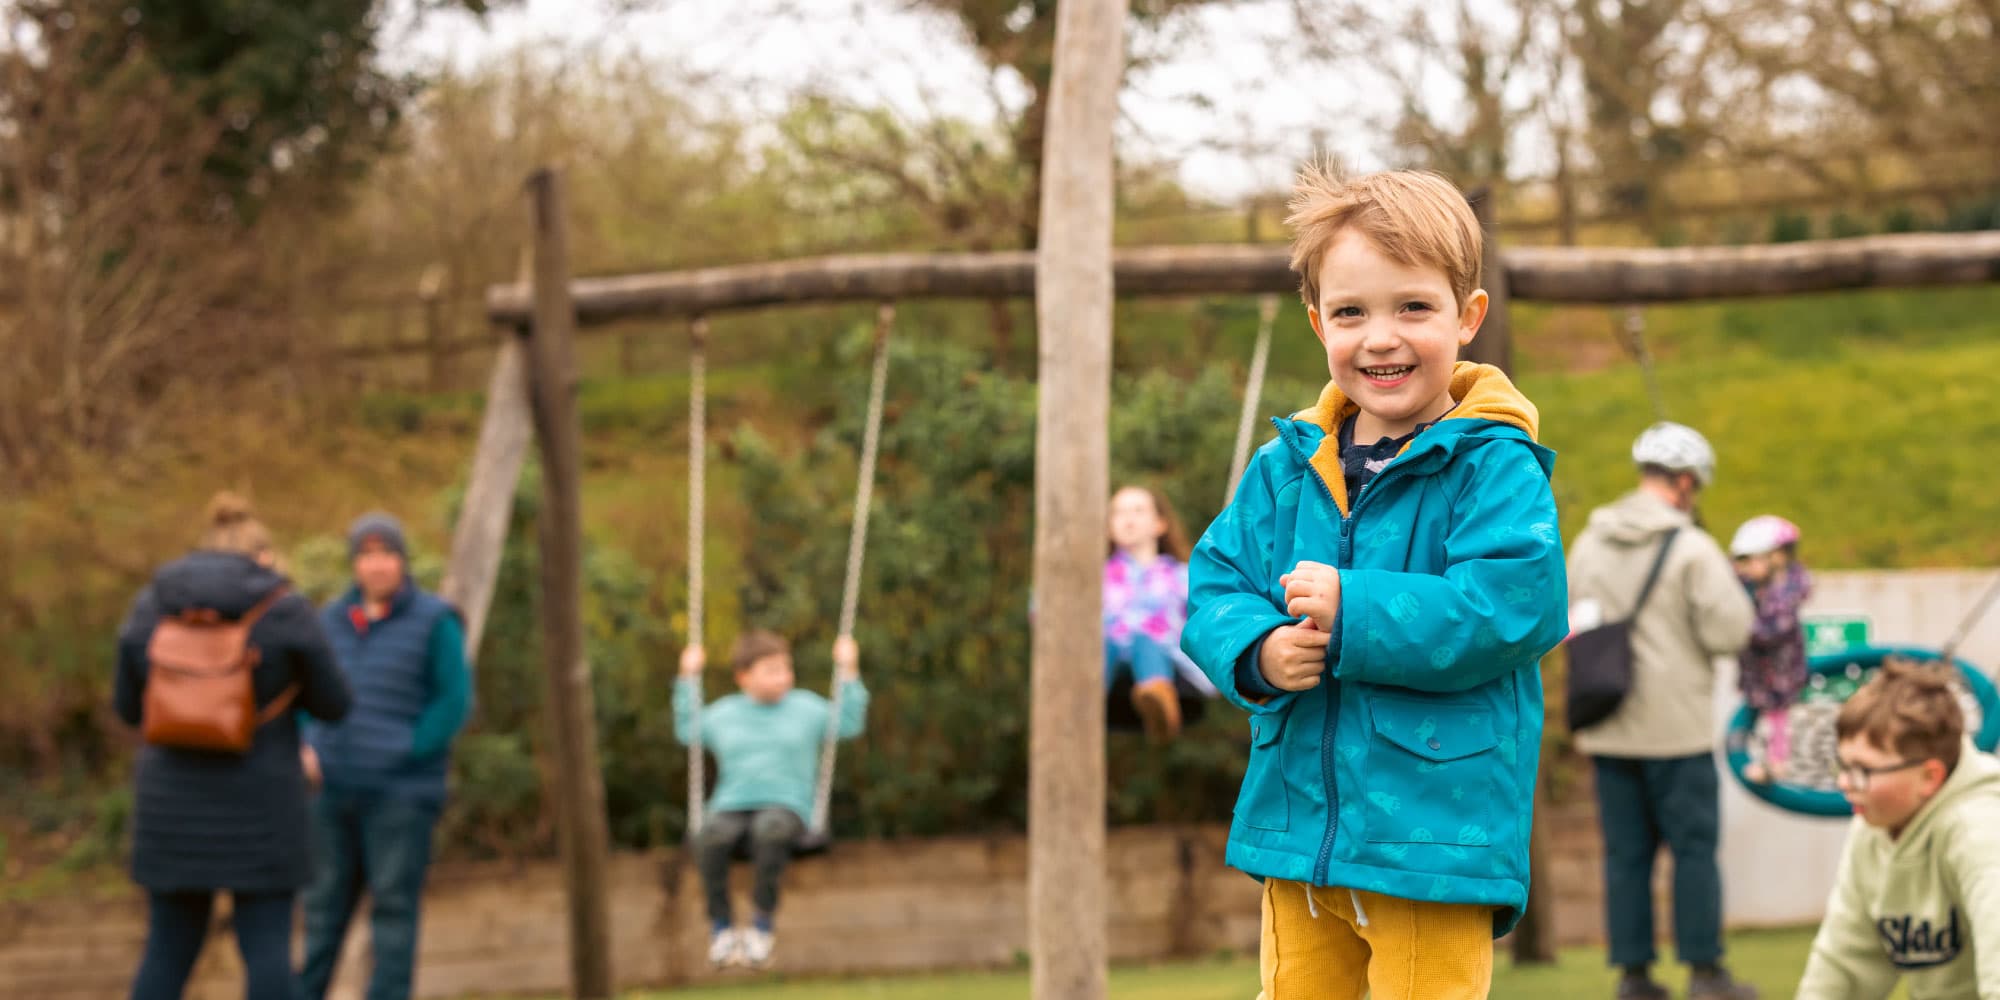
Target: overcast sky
point(881, 51)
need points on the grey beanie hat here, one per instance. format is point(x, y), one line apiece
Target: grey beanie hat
point(383, 528)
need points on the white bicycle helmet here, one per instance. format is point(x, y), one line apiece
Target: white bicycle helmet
point(1676, 448)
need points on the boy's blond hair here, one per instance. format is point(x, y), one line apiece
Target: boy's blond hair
point(1415, 217)
point(1909, 710)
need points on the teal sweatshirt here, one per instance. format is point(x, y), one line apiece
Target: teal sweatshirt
point(767, 754)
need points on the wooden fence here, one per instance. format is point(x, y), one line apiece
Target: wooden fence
point(496, 929)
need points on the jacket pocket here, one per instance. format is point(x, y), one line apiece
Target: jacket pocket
point(1263, 803)
point(1433, 772)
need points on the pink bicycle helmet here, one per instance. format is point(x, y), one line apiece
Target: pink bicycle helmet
point(1761, 534)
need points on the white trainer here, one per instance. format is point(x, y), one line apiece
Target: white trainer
point(757, 945)
point(725, 948)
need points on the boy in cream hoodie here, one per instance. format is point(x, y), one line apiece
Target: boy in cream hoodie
point(1919, 891)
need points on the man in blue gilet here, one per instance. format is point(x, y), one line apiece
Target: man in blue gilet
point(382, 769)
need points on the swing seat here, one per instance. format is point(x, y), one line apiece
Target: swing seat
point(1808, 787)
point(808, 844)
point(811, 844)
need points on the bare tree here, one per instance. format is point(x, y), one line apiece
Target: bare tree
point(1018, 37)
point(1495, 59)
point(1647, 99)
point(936, 180)
point(655, 182)
point(1836, 84)
point(122, 271)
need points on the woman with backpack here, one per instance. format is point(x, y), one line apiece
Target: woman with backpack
point(215, 660)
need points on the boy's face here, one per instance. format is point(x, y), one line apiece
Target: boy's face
point(1885, 789)
point(1392, 333)
point(1135, 521)
point(767, 679)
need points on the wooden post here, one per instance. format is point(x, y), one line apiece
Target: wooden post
point(1189, 926)
point(1066, 881)
point(480, 536)
point(1585, 275)
point(1495, 343)
point(437, 349)
point(579, 785)
point(1535, 936)
point(1565, 191)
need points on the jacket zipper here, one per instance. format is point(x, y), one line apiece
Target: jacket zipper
point(1346, 556)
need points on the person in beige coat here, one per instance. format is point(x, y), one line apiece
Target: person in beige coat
point(1654, 757)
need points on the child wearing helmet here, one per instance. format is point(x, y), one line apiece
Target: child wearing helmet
point(1772, 668)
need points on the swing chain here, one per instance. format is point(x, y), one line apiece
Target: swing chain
point(1632, 336)
point(857, 542)
point(1971, 619)
point(864, 491)
point(697, 491)
point(1267, 311)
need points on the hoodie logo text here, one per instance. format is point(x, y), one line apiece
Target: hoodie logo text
point(1919, 944)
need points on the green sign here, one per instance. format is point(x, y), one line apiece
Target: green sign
point(1834, 633)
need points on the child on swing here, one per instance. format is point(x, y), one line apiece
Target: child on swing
point(766, 739)
point(1145, 605)
point(1378, 596)
point(1918, 895)
point(1771, 670)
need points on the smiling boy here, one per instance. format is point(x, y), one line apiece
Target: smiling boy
point(1378, 596)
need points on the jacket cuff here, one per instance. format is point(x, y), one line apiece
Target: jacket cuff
point(1250, 680)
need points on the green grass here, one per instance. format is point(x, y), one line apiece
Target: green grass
point(1772, 960)
point(1871, 451)
point(1854, 414)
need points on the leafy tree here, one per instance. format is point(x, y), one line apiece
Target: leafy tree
point(298, 85)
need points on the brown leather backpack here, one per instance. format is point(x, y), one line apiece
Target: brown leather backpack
point(199, 691)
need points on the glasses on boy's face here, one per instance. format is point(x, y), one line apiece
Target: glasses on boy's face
point(1857, 776)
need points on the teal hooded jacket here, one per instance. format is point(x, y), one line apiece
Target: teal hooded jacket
point(1410, 770)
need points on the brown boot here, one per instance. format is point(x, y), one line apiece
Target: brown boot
point(1159, 707)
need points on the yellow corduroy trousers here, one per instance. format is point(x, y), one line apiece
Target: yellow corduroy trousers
point(1340, 944)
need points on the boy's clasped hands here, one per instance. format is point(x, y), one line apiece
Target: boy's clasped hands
point(1294, 656)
